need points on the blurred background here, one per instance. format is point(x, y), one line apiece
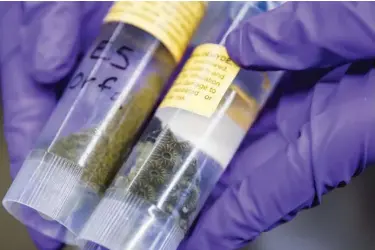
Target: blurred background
point(344, 221)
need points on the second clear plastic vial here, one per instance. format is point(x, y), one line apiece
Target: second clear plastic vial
point(181, 155)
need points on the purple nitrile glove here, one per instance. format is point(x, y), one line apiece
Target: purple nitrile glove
point(39, 45)
point(314, 137)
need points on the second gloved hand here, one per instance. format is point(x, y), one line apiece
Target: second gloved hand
point(315, 136)
point(40, 43)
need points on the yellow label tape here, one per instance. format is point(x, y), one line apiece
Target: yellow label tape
point(172, 22)
point(203, 80)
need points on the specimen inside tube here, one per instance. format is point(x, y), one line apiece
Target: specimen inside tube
point(105, 149)
point(162, 165)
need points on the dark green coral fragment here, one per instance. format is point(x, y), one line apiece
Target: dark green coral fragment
point(101, 150)
point(158, 163)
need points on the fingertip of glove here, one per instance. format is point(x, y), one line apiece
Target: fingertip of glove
point(234, 48)
point(269, 41)
point(52, 58)
point(249, 47)
point(51, 39)
point(51, 73)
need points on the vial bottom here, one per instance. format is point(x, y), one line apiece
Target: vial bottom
point(48, 196)
point(125, 221)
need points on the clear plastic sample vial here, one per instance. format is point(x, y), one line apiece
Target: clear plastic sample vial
point(185, 148)
point(102, 111)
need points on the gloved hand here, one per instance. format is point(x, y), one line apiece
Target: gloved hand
point(315, 137)
point(39, 46)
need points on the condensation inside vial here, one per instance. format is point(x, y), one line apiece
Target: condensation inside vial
point(92, 129)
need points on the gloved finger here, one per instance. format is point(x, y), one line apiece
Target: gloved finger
point(26, 104)
point(42, 242)
point(51, 38)
point(308, 160)
point(55, 33)
point(301, 35)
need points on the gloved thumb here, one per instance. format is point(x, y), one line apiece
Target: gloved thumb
point(302, 35)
